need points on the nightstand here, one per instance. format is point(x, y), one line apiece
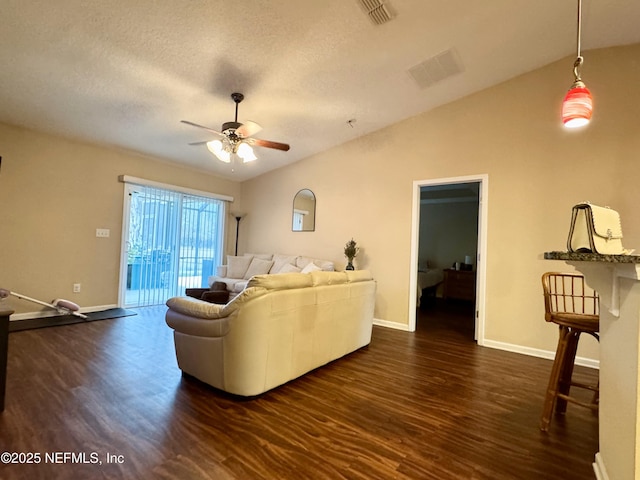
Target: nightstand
point(459, 284)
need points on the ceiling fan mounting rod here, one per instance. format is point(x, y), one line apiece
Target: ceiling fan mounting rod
point(237, 97)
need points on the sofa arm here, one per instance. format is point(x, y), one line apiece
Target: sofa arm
point(195, 308)
point(197, 327)
point(221, 271)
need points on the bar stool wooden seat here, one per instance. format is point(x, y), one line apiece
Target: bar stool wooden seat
point(575, 308)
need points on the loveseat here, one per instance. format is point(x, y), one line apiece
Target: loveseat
point(279, 328)
point(239, 269)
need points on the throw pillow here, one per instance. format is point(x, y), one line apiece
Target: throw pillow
point(258, 267)
point(280, 261)
point(237, 266)
point(302, 262)
point(311, 267)
point(288, 268)
point(261, 256)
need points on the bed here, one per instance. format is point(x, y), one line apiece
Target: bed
point(428, 278)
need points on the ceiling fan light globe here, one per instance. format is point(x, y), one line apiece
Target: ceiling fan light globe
point(215, 147)
point(246, 153)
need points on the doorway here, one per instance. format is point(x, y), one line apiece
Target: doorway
point(450, 262)
point(171, 241)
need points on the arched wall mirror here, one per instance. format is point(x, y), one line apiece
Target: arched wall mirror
point(304, 211)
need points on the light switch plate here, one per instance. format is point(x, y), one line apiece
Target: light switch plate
point(102, 232)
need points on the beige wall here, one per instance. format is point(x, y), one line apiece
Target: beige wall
point(54, 193)
point(537, 170)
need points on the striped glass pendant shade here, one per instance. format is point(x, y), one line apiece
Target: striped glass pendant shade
point(577, 106)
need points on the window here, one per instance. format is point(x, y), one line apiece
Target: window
point(173, 241)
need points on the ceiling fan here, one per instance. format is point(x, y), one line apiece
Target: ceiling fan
point(236, 138)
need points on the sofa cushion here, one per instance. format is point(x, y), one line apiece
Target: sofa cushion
point(280, 261)
point(258, 267)
point(358, 275)
point(237, 266)
point(195, 308)
point(326, 265)
point(327, 278)
point(281, 281)
point(221, 271)
point(261, 256)
point(239, 286)
point(302, 262)
point(288, 268)
point(310, 267)
point(242, 298)
point(229, 282)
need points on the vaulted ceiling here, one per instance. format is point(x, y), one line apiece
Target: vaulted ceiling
point(314, 74)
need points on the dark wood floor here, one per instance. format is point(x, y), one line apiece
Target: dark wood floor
point(429, 405)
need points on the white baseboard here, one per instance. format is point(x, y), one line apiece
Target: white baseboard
point(388, 324)
point(509, 347)
point(598, 468)
point(53, 313)
point(536, 352)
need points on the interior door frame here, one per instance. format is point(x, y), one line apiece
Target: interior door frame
point(481, 260)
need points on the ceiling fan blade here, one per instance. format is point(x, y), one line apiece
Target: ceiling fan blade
point(268, 144)
point(199, 143)
point(201, 126)
point(248, 129)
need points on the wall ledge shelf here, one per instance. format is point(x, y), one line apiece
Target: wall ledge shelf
point(591, 257)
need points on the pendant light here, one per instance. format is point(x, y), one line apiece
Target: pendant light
point(577, 105)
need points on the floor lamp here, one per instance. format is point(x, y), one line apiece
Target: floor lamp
point(238, 217)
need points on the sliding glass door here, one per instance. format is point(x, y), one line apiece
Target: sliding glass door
point(173, 241)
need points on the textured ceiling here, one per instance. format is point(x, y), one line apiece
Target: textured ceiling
point(124, 73)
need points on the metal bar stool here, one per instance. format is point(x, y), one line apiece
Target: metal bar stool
point(570, 304)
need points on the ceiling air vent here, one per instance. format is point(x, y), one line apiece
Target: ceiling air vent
point(376, 10)
point(436, 68)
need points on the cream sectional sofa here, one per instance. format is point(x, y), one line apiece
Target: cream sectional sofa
point(279, 328)
point(239, 269)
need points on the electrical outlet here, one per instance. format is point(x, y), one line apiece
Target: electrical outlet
point(102, 232)
point(76, 288)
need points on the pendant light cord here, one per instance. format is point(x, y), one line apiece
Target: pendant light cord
point(579, 59)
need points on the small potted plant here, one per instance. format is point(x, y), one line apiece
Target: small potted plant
point(350, 251)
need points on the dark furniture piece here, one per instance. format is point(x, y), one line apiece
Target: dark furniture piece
point(4, 347)
point(576, 310)
point(218, 293)
point(459, 284)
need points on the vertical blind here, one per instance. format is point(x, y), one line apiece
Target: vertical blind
point(175, 240)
